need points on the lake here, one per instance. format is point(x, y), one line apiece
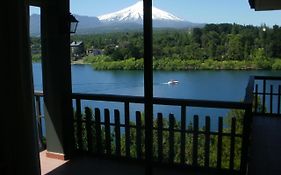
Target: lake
point(208, 85)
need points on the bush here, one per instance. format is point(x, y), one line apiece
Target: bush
point(277, 64)
point(36, 57)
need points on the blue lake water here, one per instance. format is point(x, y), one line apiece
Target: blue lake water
point(208, 85)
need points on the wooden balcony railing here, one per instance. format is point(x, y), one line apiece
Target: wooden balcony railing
point(267, 96)
point(174, 141)
point(118, 131)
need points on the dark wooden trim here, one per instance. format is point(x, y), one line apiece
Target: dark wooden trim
point(37, 3)
point(267, 77)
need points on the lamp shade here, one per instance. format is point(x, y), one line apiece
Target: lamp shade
point(73, 24)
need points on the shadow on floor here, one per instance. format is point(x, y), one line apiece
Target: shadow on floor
point(265, 149)
point(95, 166)
point(90, 166)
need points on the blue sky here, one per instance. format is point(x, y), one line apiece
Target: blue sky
point(203, 11)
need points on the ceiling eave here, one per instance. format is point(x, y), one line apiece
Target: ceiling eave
point(262, 5)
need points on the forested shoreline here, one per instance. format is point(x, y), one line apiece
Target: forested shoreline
point(215, 46)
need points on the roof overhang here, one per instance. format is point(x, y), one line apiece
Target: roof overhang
point(260, 5)
point(36, 3)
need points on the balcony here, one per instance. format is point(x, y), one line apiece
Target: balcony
point(187, 143)
point(200, 149)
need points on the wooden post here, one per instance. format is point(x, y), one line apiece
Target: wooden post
point(245, 139)
point(56, 72)
point(19, 152)
point(148, 83)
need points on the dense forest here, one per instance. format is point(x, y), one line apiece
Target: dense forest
point(215, 46)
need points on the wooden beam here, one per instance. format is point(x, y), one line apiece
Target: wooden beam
point(56, 73)
point(37, 3)
point(148, 83)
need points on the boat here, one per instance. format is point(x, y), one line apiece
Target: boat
point(173, 82)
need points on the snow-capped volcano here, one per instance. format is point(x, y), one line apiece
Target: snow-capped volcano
point(134, 14)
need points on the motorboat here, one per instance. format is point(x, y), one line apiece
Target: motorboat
point(171, 82)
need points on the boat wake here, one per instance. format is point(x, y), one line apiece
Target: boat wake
point(172, 82)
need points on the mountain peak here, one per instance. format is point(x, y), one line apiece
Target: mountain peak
point(134, 13)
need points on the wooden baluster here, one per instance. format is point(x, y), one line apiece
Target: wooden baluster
point(98, 131)
point(160, 136)
point(279, 96)
point(195, 140)
point(138, 135)
point(107, 131)
point(79, 124)
point(171, 138)
point(183, 130)
point(271, 99)
point(263, 97)
point(256, 98)
point(89, 121)
point(117, 133)
point(232, 143)
point(219, 146)
point(127, 129)
point(207, 142)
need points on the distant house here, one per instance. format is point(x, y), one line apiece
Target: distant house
point(94, 52)
point(77, 50)
point(35, 48)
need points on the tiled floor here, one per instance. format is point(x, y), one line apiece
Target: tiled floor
point(89, 166)
point(266, 146)
point(48, 164)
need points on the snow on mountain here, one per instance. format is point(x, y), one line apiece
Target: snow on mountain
point(134, 13)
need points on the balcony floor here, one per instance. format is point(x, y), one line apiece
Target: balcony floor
point(265, 146)
point(89, 165)
point(265, 157)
